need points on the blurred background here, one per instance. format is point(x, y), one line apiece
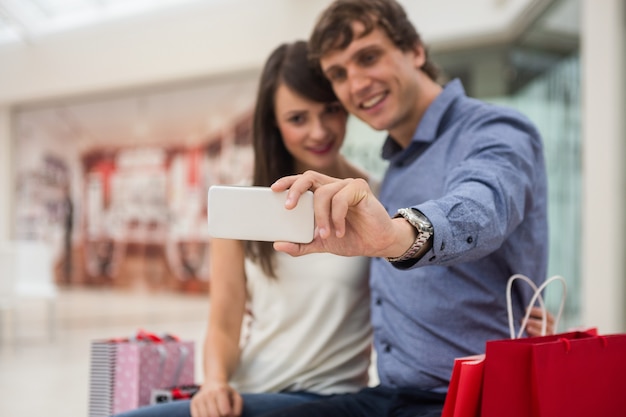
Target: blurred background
point(117, 115)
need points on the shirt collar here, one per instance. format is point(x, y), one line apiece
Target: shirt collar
point(429, 125)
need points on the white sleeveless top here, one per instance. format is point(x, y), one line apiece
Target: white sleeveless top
point(310, 327)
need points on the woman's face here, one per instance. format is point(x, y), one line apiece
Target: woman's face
point(312, 132)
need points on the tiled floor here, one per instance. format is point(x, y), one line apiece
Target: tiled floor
point(40, 376)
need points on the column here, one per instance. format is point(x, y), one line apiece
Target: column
point(604, 185)
point(6, 174)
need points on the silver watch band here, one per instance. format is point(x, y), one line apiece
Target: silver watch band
point(424, 233)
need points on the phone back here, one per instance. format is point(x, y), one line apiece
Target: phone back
point(258, 213)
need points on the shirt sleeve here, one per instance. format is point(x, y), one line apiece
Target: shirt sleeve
point(488, 190)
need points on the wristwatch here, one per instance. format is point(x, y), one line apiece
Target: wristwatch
point(424, 232)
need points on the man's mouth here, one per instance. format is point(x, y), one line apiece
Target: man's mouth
point(373, 101)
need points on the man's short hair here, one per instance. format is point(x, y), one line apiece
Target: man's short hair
point(333, 29)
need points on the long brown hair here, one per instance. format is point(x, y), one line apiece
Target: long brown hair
point(289, 65)
point(333, 29)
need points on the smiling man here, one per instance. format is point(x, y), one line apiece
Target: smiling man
point(377, 82)
point(462, 207)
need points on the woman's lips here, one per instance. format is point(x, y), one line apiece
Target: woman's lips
point(321, 149)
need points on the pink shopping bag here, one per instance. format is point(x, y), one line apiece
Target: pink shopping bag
point(123, 372)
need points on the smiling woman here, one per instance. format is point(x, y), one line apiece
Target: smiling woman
point(312, 133)
point(305, 320)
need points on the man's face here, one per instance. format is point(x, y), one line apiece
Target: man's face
point(376, 81)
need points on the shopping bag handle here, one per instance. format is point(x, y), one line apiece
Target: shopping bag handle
point(536, 297)
point(184, 352)
point(146, 336)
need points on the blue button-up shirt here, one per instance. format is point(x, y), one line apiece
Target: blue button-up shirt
point(477, 172)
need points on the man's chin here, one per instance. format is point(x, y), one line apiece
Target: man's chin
point(375, 123)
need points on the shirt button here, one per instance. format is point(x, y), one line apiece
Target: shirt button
point(379, 301)
point(443, 246)
point(387, 348)
point(470, 239)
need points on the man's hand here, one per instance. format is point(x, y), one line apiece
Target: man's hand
point(216, 400)
point(349, 220)
point(533, 327)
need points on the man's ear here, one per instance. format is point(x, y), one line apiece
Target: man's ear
point(420, 56)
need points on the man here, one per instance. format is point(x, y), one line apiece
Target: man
point(461, 208)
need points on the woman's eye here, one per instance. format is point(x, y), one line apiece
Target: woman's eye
point(296, 119)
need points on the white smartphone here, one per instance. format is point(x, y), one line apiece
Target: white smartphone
point(258, 213)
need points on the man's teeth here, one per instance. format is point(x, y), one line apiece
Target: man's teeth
point(372, 101)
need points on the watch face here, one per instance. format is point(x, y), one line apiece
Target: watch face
point(420, 221)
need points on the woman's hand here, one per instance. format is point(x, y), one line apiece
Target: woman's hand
point(216, 400)
point(533, 327)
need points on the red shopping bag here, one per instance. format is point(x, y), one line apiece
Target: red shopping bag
point(466, 383)
point(581, 377)
point(569, 374)
point(463, 398)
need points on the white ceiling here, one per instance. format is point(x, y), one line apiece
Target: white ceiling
point(28, 20)
point(190, 113)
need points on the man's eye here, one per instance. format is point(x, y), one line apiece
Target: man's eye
point(368, 58)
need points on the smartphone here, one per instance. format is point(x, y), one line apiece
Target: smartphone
point(258, 213)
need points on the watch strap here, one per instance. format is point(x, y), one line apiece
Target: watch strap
point(424, 233)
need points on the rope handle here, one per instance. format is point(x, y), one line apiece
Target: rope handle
point(536, 297)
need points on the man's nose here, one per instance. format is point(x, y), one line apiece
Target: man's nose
point(358, 81)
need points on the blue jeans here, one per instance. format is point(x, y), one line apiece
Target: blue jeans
point(253, 405)
point(370, 402)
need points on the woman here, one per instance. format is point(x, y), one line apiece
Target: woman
point(307, 333)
